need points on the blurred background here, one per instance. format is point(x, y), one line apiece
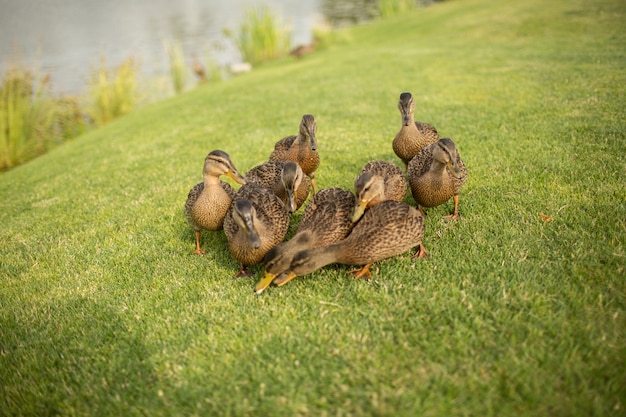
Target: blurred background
point(65, 38)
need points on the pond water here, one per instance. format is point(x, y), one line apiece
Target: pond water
point(68, 38)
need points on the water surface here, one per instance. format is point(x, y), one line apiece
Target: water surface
point(66, 38)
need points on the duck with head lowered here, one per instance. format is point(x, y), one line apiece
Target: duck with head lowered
point(326, 220)
point(256, 222)
point(285, 179)
point(412, 136)
point(378, 181)
point(436, 175)
point(388, 229)
point(208, 201)
point(301, 149)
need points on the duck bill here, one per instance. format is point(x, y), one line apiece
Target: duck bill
point(359, 209)
point(456, 169)
point(236, 176)
point(406, 118)
point(284, 278)
point(253, 238)
point(313, 140)
point(291, 201)
point(264, 282)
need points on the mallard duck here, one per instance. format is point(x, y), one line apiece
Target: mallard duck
point(208, 201)
point(378, 181)
point(256, 222)
point(198, 69)
point(301, 50)
point(385, 230)
point(326, 220)
point(301, 148)
point(413, 136)
point(436, 174)
point(285, 179)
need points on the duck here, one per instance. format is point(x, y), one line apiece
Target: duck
point(198, 69)
point(208, 201)
point(301, 50)
point(388, 229)
point(378, 181)
point(301, 149)
point(257, 220)
point(285, 179)
point(437, 174)
point(326, 220)
point(412, 136)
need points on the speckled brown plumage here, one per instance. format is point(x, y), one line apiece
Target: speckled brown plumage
point(208, 201)
point(412, 136)
point(301, 148)
point(270, 175)
point(269, 220)
point(378, 181)
point(326, 220)
point(206, 210)
point(388, 229)
point(436, 174)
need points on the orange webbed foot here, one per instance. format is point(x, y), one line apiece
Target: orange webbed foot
point(198, 250)
point(363, 272)
point(455, 214)
point(421, 253)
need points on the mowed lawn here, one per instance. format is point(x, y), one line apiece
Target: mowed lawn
point(520, 309)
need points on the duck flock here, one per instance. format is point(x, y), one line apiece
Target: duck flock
point(337, 226)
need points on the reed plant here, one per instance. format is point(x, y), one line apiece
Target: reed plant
point(214, 73)
point(112, 93)
point(27, 116)
point(262, 36)
point(178, 70)
point(388, 8)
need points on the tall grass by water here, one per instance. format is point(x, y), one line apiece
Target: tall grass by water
point(178, 67)
point(388, 8)
point(261, 36)
point(31, 119)
point(112, 92)
point(520, 309)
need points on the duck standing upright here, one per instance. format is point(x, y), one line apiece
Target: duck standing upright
point(436, 174)
point(301, 149)
point(412, 136)
point(208, 201)
point(378, 181)
point(388, 229)
point(256, 222)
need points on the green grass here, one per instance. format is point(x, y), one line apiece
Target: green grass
point(104, 312)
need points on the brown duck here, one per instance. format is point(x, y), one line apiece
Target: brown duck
point(378, 181)
point(208, 201)
point(436, 174)
point(301, 148)
point(413, 136)
point(285, 179)
point(256, 222)
point(388, 229)
point(326, 220)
